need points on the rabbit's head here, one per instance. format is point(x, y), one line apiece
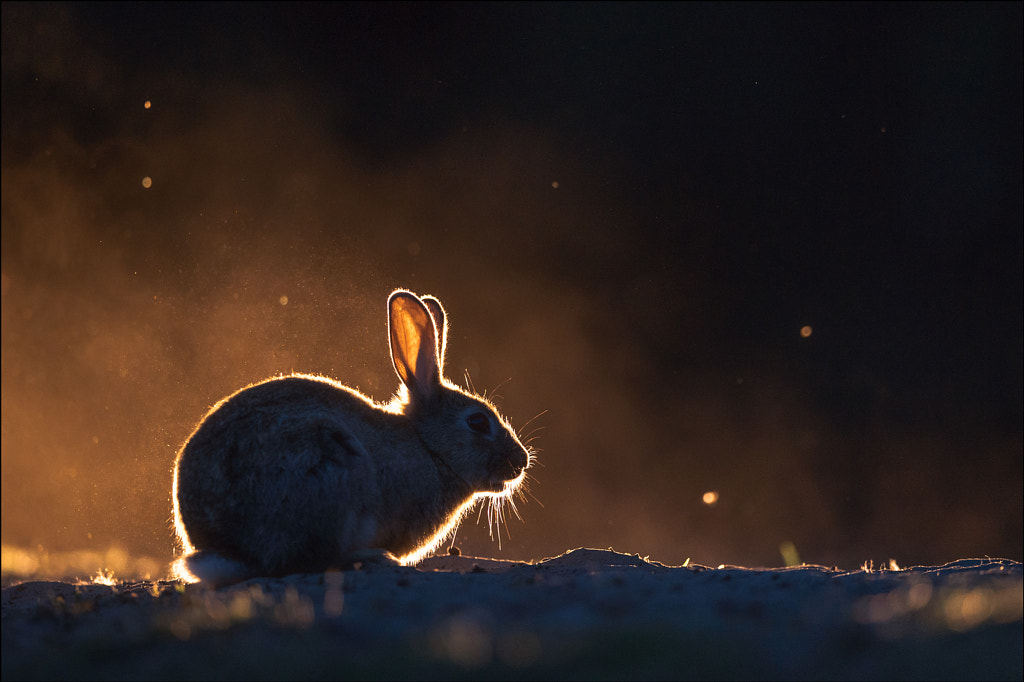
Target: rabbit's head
point(461, 431)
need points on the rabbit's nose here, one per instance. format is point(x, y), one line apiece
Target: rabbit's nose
point(520, 460)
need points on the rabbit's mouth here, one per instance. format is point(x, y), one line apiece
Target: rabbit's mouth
point(496, 485)
point(504, 482)
point(505, 473)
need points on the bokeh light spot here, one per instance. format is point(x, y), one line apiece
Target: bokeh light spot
point(147, 182)
point(806, 331)
point(148, 104)
point(710, 498)
point(283, 300)
point(789, 554)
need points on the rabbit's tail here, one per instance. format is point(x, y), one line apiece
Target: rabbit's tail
point(210, 569)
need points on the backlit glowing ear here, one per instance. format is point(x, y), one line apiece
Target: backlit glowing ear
point(414, 348)
point(441, 326)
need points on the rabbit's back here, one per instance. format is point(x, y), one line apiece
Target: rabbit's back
point(277, 476)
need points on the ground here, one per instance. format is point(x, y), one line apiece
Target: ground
point(587, 614)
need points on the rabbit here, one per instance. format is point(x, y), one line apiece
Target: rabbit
point(298, 473)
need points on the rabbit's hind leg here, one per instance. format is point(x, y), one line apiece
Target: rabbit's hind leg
point(210, 569)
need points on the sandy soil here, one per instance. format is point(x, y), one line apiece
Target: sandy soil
point(585, 614)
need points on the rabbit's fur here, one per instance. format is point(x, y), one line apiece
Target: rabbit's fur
point(300, 473)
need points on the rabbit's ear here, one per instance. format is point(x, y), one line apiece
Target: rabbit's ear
point(441, 325)
point(413, 343)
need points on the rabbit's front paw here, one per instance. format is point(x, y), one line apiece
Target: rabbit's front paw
point(374, 557)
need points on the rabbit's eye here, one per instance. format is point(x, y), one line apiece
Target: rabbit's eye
point(479, 422)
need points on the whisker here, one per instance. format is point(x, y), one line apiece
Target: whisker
point(539, 414)
point(515, 510)
point(524, 491)
point(455, 531)
point(496, 397)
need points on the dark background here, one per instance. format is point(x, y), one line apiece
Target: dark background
point(629, 211)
